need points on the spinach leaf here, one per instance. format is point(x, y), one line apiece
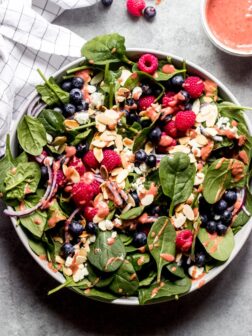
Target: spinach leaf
point(132, 213)
point(55, 214)
point(125, 280)
point(81, 136)
point(148, 280)
point(177, 178)
point(6, 163)
point(142, 136)
point(161, 76)
point(176, 270)
point(100, 295)
point(243, 217)
point(51, 93)
point(35, 223)
point(53, 122)
point(161, 243)
point(138, 260)
point(22, 180)
point(163, 290)
point(127, 240)
point(99, 279)
point(83, 284)
point(105, 255)
point(22, 158)
point(218, 247)
point(31, 135)
point(37, 247)
point(105, 49)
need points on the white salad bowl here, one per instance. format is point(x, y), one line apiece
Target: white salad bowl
point(224, 92)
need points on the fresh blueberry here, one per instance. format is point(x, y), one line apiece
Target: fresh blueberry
point(135, 197)
point(147, 91)
point(66, 85)
point(204, 219)
point(188, 106)
point(230, 197)
point(220, 207)
point(211, 226)
point(139, 239)
point(67, 250)
point(83, 106)
point(130, 102)
point(69, 110)
point(155, 135)
point(177, 82)
point(166, 119)
point(140, 155)
point(44, 174)
point(75, 228)
point(151, 161)
point(131, 117)
point(186, 95)
point(81, 149)
point(107, 3)
point(76, 96)
point(200, 259)
point(77, 82)
point(91, 228)
point(221, 229)
point(149, 12)
point(226, 217)
point(145, 122)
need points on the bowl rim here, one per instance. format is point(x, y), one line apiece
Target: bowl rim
point(212, 37)
point(240, 237)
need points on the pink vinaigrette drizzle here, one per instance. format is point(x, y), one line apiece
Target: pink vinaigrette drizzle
point(231, 23)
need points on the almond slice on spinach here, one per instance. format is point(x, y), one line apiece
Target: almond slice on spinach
point(138, 260)
point(164, 290)
point(177, 175)
point(125, 281)
point(22, 180)
point(161, 243)
point(107, 253)
point(218, 247)
point(31, 135)
point(53, 122)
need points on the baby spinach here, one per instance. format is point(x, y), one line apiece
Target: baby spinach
point(37, 247)
point(161, 76)
point(138, 260)
point(177, 175)
point(218, 247)
point(148, 280)
point(161, 243)
point(22, 180)
point(99, 295)
point(164, 290)
point(142, 136)
point(55, 214)
point(80, 137)
point(81, 285)
point(132, 213)
point(125, 280)
point(6, 163)
point(31, 135)
point(176, 270)
point(53, 122)
point(104, 255)
point(104, 49)
point(51, 93)
point(243, 217)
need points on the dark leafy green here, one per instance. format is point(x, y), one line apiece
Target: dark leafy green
point(53, 122)
point(138, 260)
point(132, 213)
point(31, 135)
point(6, 163)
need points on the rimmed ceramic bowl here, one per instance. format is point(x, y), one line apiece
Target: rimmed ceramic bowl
point(212, 37)
point(240, 237)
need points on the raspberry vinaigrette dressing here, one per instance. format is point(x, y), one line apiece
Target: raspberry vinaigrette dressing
point(231, 23)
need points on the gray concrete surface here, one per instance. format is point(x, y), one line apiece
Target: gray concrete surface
point(224, 307)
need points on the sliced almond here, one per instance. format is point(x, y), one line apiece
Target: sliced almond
point(122, 184)
point(180, 148)
point(128, 142)
point(104, 119)
point(80, 259)
point(212, 117)
point(179, 208)
point(148, 147)
point(199, 179)
point(196, 106)
point(71, 174)
point(107, 136)
point(131, 200)
point(184, 140)
point(122, 176)
point(147, 199)
point(98, 153)
point(116, 171)
point(211, 131)
point(100, 127)
point(127, 207)
point(201, 140)
point(67, 271)
point(99, 143)
point(188, 212)
point(179, 220)
point(104, 192)
point(59, 260)
point(119, 142)
point(71, 123)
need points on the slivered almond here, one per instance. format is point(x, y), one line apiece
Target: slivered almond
point(188, 212)
point(128, 142)
point(148, 147)
point(119, 142)
point(98, 153)
point(147, 199)
point(116, 171)
point(179, 220)
point(71, 123)
point(122, 176)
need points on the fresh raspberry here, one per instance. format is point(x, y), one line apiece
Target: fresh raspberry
point(111, 159)
point(61, 179)
point(168, 98)
point(184, 240)
point(78, 165)
point(165, 140)
point(89, 213)
point(90, 160)
point(174, 143)
point(82, 193)
point(135, 7)
point(148, 63)
point(184, 120)
point(96, 187)
point(145, 102)
point(194, 86)
point(162, 150)
point(170, 129)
